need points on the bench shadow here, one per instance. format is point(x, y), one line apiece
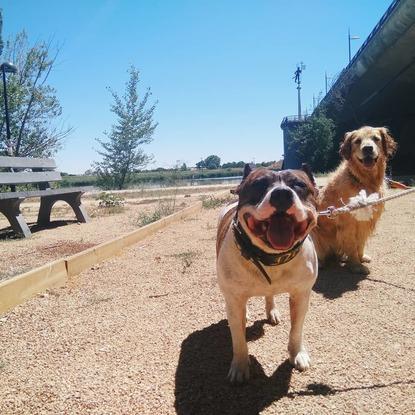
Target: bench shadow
point(201, 386)
point(9, 234)
point(51, 225)
point(335, 280)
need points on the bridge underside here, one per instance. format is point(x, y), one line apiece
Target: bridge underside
point(385, 95)
point(378, 87)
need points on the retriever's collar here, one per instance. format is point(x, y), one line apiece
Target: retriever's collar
point(354, 179)
point(257, 255)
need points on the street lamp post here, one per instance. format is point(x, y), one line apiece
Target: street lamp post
point(297, 80)
point(351, 38)
point(7, 67)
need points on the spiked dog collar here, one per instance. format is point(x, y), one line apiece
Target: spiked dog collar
point(257, 255)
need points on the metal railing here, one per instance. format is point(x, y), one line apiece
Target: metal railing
point(295, 118)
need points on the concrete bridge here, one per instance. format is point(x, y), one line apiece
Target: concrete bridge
point(377, 87)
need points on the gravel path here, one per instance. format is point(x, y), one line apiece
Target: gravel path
point(145, 333)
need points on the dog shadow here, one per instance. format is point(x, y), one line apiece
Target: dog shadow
point(201, 377)
point(334, 280)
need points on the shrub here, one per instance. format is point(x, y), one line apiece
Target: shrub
point(107, 200)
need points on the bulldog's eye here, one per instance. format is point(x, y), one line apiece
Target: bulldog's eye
point(299, 185)
point(257, 190)
point(358, 141)
point(375, 138)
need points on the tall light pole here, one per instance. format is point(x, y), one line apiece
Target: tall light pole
point(297, 80)
point(351, 38)
point(7, 67)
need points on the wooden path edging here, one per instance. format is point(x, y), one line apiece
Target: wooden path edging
point(17, 289)
point(55, 274)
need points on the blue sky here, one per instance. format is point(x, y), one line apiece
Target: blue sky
point(220, 69)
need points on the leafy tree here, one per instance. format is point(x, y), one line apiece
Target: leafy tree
point(201, 164)
point(233, 164)
point(35, 112)
point(212, 162)
point(122, 153)
point(313, 141)
point(183, 167)
point(267, 163)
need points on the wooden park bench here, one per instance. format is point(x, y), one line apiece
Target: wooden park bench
point(39, 173)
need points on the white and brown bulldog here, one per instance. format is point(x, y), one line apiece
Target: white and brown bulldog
point(263, 249)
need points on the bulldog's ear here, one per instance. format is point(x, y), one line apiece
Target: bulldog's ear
point(388, 143)
point(346, 146)
point(247, 169)
point(307, 170)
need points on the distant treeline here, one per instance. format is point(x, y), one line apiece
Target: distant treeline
point(159, 176)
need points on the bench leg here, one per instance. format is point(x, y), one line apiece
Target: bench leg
point(11, 209)
point(46, 203)
point(75, 203)
point(73, 200)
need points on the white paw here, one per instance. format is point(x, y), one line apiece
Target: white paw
point(301, 361)
point(357, 268)
point(366, 258)
point(239, 371)
point(274, 317)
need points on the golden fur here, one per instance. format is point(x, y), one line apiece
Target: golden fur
point(345, 236)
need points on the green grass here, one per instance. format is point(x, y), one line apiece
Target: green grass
point(213, 202)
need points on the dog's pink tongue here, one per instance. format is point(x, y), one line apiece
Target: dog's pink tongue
point(281, 232)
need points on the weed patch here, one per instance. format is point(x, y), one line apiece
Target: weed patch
point(187, 258)
point(164, 208)
point(213, 202)
point(107, 199)
point(109, 204)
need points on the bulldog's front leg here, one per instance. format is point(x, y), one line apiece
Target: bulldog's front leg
point(236, 312)
point(299, 303)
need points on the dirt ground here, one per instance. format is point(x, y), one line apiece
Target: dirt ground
point(146, 333)
point(65, 236)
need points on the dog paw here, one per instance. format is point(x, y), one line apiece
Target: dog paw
point(366, 258)
point(301, 361)
point(239, 371)
point(274, 317)
point(358, 268)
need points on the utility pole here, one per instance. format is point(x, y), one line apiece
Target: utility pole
point(351, 38)
point(325, 77)
point(297, 80)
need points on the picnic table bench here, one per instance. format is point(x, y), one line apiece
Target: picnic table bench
point(39, 173)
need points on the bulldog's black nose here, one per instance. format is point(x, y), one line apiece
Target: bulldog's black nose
point(281, 199)
point(367, 150)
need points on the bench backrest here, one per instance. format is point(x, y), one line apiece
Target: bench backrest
point(27, 170)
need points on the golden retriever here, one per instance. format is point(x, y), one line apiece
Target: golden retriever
point(365, 152)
